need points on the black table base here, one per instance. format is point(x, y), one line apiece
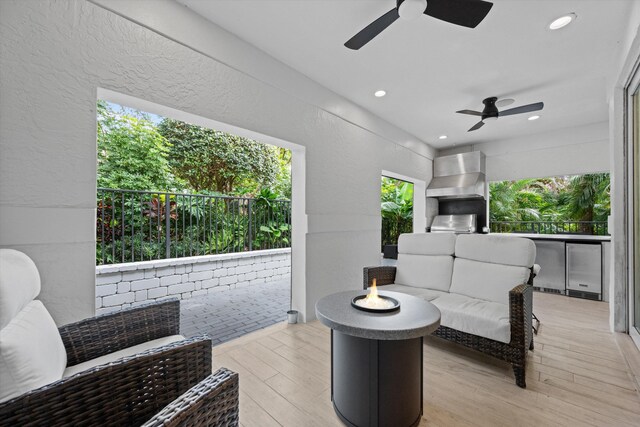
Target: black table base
point(376, 383)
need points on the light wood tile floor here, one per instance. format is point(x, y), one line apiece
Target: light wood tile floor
point(578, 374)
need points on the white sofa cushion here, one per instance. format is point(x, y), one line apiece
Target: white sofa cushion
point(483, 318)
point(491, 282)
point(425, 271)
point(496, 249)
point(427, 243)
point(19, 283)
point(31, 352)
point(426, 294)
point(129, 351)
point(425, 260)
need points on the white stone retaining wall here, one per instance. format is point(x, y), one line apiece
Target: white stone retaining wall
point(120, 286)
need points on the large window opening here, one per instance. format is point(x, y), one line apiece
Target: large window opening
point(195, 213)
point(578, 204)
point(396, 203)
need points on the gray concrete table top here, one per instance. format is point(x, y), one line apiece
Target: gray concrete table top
point(415, 318)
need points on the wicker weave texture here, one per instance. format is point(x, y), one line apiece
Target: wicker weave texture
point(384, 275)
point(520, 318)
point(212, 402)
point(126, 392)
point(97, 336)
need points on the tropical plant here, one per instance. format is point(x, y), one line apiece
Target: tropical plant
point(396, 208)
point(272, 234)
point(555, 200)
point(588, 197)
point(515, 200)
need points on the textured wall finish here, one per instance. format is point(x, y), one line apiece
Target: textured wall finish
point(55, 54)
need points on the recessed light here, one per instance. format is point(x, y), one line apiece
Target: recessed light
point(380, 93)
point(442, 137)
point(533, 118)
point(563, 21)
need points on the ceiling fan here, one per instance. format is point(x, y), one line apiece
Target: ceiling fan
point(467, 13)
point(491, 112)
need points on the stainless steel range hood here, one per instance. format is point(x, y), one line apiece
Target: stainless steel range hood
point(461, 176)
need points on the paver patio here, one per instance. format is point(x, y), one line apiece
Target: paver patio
point(229, 314)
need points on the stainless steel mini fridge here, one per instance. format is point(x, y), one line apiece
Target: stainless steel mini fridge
point(584, 270)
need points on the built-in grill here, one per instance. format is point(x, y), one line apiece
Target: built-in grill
point(458, 189)
point(459, 224)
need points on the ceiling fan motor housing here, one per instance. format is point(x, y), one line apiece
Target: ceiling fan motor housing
point(490, 111)
point(411, 9)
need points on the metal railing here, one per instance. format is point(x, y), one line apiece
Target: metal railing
point(149, 225)
point(594, 228)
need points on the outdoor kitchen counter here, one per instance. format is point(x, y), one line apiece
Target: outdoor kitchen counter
point(560, 237)
point(576, 265)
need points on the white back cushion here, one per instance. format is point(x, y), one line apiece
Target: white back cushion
point(483, 280)
point(427, 243)
point(19, 283)
point(425, 260)
point(31, 352)
point(496, 249)
point(425, 271)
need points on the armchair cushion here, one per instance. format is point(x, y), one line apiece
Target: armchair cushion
point(31, 352)
point(487, 319)
point(19, 283)
point(112, 357)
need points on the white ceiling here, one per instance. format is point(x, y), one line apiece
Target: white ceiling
point(430, 68)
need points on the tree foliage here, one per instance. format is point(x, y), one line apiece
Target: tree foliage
point(282, 186)
point(588, 197)
point(213, 160)
point(566, 198)
point(132, 154)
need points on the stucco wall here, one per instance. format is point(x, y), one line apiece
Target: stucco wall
point(54, 56)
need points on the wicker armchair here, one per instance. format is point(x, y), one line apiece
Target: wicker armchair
point(171, 385)
point(520, 318)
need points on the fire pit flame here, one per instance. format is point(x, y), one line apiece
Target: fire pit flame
point(372, 300)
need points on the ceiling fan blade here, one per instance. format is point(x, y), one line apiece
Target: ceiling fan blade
point(523, 109)
point(467, 13)
point(372, 30)
point(476, 126)
point(470, 112)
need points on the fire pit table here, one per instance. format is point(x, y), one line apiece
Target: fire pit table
point(376, 358)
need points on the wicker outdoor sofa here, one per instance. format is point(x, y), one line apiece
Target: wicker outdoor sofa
point(114, 372)
point(473, 279)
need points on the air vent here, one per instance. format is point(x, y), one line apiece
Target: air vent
point(584, 295)
point(547, 290)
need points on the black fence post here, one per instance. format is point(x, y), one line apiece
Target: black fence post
point(167, 225)
point(250, 225)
